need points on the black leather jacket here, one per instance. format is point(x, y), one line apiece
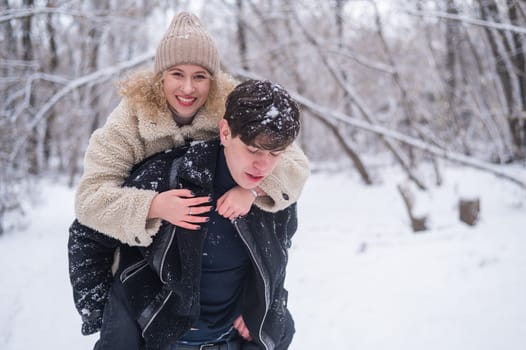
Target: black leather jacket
point(161, 282)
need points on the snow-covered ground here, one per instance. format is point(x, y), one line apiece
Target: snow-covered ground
point(358, 278)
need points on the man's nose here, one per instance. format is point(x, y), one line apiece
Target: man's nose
point(262, 162)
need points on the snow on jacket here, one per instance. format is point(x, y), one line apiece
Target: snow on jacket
point(142, 125)
point(161, 283)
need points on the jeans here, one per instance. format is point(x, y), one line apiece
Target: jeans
point(236, 343)
point(119, 330)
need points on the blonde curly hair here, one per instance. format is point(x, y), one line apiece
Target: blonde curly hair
point(146, 88)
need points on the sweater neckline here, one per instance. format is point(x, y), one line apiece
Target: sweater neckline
point(180, 121)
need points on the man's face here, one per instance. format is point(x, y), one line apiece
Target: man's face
point(248, 165)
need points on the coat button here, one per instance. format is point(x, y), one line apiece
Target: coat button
point(137, 240)
point(285, 196)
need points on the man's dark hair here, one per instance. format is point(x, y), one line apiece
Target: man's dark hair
point(262, 114)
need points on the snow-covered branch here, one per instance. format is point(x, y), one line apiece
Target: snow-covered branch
point(467, 19)
point(18, 63)
point(408, 140)
point(26, 92)
point(364, 61)
point(96, 77)
point(29, 12)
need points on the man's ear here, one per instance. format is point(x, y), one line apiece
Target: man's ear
point(224, 130)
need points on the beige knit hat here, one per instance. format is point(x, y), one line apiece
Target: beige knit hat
point(186, 42)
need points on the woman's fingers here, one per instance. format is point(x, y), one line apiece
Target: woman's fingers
point(196, 211)
point(195, 215)
point(183, 193)
point(192, 202)
point(188, 225)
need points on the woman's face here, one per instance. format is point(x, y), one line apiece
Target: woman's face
point(186, 88)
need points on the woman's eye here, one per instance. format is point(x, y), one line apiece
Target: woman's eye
point(200, 77)
point(177, 75)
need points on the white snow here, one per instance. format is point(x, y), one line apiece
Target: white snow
point(358, 278)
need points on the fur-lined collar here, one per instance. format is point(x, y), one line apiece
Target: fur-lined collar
point(154, 125)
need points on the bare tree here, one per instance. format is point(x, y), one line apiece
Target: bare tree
point(48, 109)
point(418, 82)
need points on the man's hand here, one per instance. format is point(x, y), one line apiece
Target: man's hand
point(239, 325)
point(180, 208)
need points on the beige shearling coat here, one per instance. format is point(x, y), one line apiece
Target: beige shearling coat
point(142, 125)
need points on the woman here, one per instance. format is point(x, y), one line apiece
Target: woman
point(181, 101)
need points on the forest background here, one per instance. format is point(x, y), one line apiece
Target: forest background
point(405, 82)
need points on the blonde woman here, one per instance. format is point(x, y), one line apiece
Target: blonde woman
point(181, 101)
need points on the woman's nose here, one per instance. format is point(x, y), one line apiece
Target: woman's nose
point(188, 86)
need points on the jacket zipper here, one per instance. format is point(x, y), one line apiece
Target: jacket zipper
point(161, 267)
point(155, 314)
point(132, 270)
point(265, 282)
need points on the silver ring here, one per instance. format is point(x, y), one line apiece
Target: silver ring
point(190, 211)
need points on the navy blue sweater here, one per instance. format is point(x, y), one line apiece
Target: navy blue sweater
point(224, 266)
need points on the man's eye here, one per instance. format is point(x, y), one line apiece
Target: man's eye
point(253, 150)
point(276, 154)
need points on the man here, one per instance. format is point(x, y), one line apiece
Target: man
point(216, 288)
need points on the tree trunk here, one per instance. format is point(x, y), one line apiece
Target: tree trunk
point(418, 223)
point(51, 68)
point(92, 48)
point(469, 210)
point(347, 148)
point(241, 35)
point(452, 37)
point(27, 55)
point(510, 74)
point(518, 123)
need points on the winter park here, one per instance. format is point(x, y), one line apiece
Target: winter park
point(411, 225)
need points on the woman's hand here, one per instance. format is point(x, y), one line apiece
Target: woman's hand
point(180, 208)
point(239, 325)
point(235, 202)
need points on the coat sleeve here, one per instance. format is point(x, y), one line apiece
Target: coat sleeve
point(91, 256)
point(100, 201)
point(283, 187)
